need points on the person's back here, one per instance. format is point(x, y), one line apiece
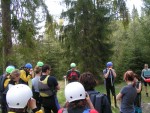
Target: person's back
point(73, 74)
point(35, 86)
point(129, 93)
point(48, 87)
point(77, 100)
point(99, 100)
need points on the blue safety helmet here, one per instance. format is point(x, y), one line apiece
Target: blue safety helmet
point(109, 64)
point(28, 65)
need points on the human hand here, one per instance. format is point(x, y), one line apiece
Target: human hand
point(31, 71)
point(32, 103)
point(89, 101)
point(64, 77)
point(87, 97)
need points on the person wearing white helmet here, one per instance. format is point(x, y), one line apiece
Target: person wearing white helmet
point(22, 98)
point(73, 74)
point(77, 100)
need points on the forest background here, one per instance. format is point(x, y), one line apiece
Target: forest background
point(97, 31)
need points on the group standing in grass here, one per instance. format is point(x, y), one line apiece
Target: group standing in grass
point(80, 93)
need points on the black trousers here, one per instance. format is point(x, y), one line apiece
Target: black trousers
point(110, 88)
point(37, 97)
point(50, 104)
point(3, 104)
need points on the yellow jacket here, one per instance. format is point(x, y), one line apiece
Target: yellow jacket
point(24, 77)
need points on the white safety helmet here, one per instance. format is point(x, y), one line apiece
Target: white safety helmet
point(18, 96)
point(74, 91)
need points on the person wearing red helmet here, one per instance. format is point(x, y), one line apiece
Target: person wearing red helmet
point(110, 75)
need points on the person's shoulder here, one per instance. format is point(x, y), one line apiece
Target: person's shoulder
point(22, 71)
point(52, 78)
point(105, 70)
point(93, 111)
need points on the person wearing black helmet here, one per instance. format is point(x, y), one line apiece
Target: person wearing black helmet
point(110, 75)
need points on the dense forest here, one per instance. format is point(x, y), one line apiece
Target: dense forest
point(97, 31)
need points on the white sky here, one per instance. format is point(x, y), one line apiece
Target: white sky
point(55, 7)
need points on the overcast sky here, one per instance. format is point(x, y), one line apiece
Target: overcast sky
point(55, 7)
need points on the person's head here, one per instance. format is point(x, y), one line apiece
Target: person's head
point(15, 75)
point(72, 65)
point(136, 77)
point(88, 81)
point(46, 68)
point(9, 69)
point(18, 96)
point(74, 91)
point(40, 64)
point(109, 64)
point(28, 66)
point(37, 70)
point(129, 76)
point(146, 66)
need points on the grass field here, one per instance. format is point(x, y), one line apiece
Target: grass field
point(101, 89)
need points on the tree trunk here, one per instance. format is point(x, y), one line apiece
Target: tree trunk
point(6, 30)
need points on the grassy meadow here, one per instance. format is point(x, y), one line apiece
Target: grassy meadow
point(101, 89)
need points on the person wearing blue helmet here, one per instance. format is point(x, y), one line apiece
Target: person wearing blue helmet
point(110, 75)
point(26, 73)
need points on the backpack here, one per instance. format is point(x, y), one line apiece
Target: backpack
point(64, 110)
point(73, 76)
point(100, 102)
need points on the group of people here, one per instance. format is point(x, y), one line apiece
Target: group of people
point(80, 93)
point(17, 96)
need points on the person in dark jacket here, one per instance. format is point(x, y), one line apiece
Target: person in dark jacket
point(48, 87)
point(88, 81)
point(77, 100)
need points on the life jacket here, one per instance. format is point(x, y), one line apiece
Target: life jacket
point(146, 73)
point(45, 90)
point(73, 75)
point(64, 110)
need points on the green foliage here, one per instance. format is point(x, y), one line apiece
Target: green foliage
point(86, 37)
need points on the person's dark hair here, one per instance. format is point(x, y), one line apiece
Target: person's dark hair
point(37, 69)
point(129, 75)
point(136, 76)
point(46, 67)
point(88, 81)
point(17, 110)
point(77, 104)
